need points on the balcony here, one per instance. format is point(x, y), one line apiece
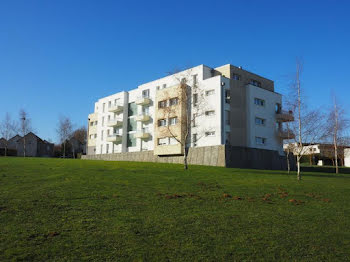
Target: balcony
point(115, 138)
point(115, 122)
point(143, 100)
point(284, 116)
point(284, 134)
point(115, 108)
point(143, 133)
point(143, 117)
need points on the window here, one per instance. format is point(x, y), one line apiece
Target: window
point(103, 121)
point(158, 87)
point(210, 133)
point(174, 101)
point(194, 139)
point(259, 121)
point(107, 148)
point(227, 117)
point(195, 99)
point(103, 108)
point(162, 141)
point(101, 149)
point(210, 92)
point(145, 110)
point(145, 93)
point(109, 118)
point(255, 83)
point(102, 135)
point(131, 140)
point(236, 76)
point(172, 141)
point(194, 120)
point(116, 101)
point(95, 123)
point(132, 124)
point(210, 113)
point(162, 122)
point(164, 85)
point(227, 96)
point(259, 102)
point(162, 104)
point(278, 108)
point(173, 121)
point(108, 132)
point(260, 140)
point(132, 109)
point(95, 135)
point(194, 79)
point(91, 123)
point(109, 103)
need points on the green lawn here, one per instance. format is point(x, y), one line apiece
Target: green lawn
point(73, 210)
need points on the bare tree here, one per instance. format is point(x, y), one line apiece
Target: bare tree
point(80, 134)
point(64, 131)
point(336, 126)
point(309, 125)
point(25, 127)
point(7, 129)
point(189, 101)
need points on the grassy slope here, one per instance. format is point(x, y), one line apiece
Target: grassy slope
point(54, 209)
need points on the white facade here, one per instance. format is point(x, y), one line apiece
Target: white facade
point(126, 119)
point(347, 157)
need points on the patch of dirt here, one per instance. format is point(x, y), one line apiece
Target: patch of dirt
point(237, 198)
point(282, 193)
point(226, 196)
point(267, 197)
point(52, 234)
point(327, 200)
point(295, 201)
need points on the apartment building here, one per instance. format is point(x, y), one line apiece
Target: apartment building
point(210, 106)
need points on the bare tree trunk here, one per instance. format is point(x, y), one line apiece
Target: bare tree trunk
point(299, 123)
point(6, 150)
point(64, 149)
point(24, 146)
point(288, 163)
point(185, 158)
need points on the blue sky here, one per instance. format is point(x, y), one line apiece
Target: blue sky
point(58, 57)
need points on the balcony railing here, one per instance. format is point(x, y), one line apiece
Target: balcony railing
point(285, 134)
point(284, 116)
point(115, 122)
point(143, 100)
point(143, 117)
point(143, 133)
point(115, 138)
point(115, 108)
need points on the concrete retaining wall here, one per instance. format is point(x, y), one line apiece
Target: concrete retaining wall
point(222, 155)
point(209, 156)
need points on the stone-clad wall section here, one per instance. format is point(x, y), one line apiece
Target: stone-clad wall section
point(209, 156)
point(222, 155)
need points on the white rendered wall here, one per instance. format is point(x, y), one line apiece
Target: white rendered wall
point(347, 157)
point(267, 112)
